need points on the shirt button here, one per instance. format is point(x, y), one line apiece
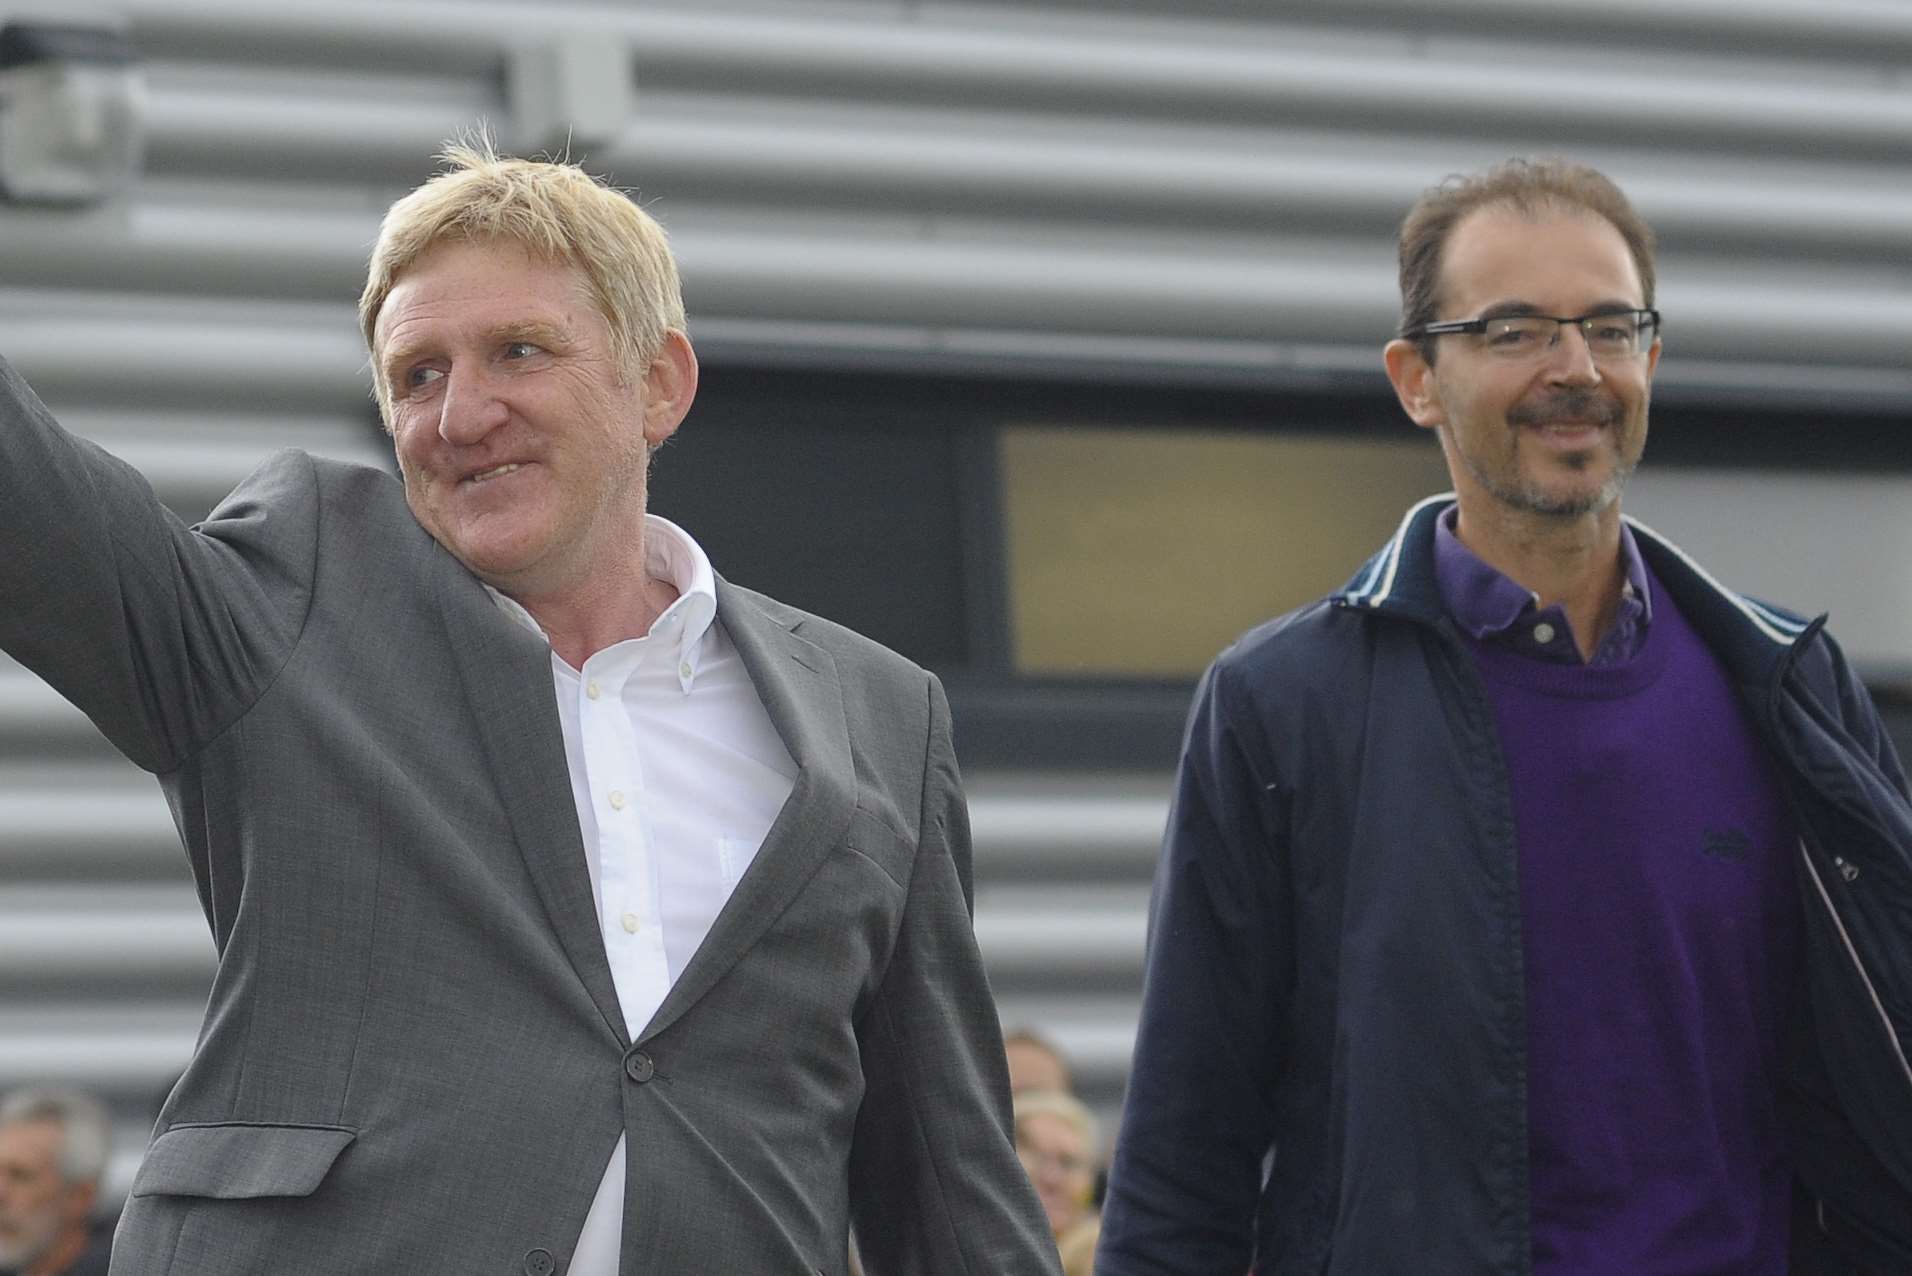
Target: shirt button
point(1543, 633)
point(683, 670)
point(617, 799)
point(629, 921)
point(591, 690)
point(639, 1068)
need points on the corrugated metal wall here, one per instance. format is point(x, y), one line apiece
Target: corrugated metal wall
point(1189, 191)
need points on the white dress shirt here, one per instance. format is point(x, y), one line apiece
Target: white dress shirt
point(677, 774)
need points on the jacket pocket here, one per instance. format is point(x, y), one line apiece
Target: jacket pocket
point(238, 1162)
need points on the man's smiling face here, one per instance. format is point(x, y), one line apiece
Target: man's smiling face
point(1557, 434)
point(521, 440)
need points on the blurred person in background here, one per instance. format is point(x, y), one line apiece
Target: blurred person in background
point(1056, 1138)
point(54, 1148)
point(1035, 1063)
point(577, 911)
point(1535, 904)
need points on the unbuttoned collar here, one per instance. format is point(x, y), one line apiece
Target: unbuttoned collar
point(1751, 636)
point(1487, 603)
point(672, 556)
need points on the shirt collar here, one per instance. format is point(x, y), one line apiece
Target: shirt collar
point(1485, 602)
point(670, 555)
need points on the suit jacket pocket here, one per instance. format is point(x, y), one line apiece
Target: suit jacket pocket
point(237, 1162)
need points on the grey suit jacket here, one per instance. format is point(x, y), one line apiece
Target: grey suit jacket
point(413, 1059)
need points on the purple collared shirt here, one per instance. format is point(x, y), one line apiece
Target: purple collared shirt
point(1493, 607)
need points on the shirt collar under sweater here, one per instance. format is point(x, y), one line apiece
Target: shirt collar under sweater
point(1491, 606)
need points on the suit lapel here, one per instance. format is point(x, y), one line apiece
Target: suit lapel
point(507, 675)
point(798, 683)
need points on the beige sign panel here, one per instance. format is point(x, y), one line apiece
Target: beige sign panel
point(1144, 552)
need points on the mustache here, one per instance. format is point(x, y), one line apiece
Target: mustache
point(1563, 406)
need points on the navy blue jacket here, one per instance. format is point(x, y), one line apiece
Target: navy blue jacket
point(1330, 1070)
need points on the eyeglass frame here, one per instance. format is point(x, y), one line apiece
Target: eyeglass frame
point(1478, 327)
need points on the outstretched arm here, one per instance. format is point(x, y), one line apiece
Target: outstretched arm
point(161, 634)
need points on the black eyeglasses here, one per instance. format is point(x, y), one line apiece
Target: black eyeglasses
point(1610, 334)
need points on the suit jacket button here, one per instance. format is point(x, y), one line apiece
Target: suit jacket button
point(638, 1067)
point(539, 1263)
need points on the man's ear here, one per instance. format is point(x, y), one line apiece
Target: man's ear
point(670, 383)
point(1413, 380)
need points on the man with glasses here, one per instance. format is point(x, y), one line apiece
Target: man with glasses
point(1534, 903)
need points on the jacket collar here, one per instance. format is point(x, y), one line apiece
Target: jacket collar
point(506, 669)
point(1753, 638)
point(801, 691)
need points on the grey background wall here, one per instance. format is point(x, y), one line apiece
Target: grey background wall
point(960, 210)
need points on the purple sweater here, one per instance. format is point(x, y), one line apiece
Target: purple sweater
point(1660, 938)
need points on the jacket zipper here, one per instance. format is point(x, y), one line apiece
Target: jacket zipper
point(1847, 870)
point(1858, 963)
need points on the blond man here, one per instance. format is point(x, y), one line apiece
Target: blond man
point(577, 910)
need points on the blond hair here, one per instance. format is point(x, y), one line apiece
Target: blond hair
point(1069, 1109)
point(554, 210)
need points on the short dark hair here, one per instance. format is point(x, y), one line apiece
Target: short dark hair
point(1525, 186)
